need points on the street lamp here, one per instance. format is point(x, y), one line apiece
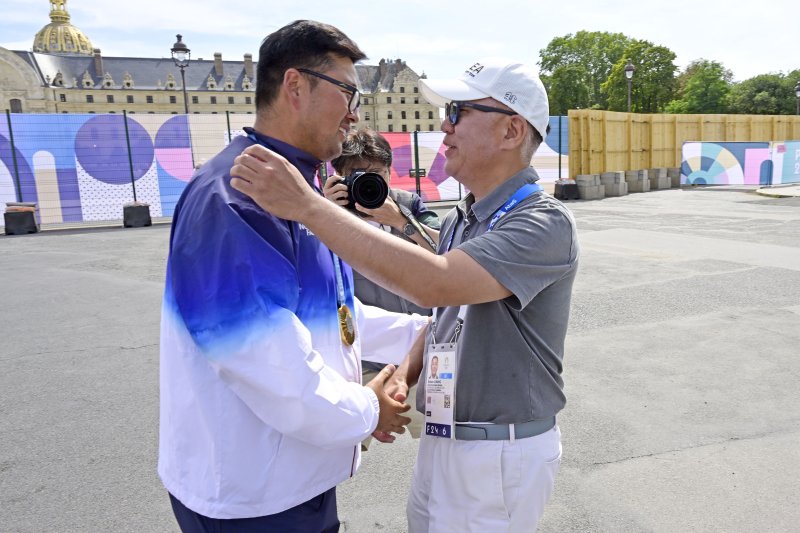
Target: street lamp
point(797, 94)
point(181, 55)
point(629, 68)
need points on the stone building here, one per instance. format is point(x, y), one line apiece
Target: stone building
point(65, 73)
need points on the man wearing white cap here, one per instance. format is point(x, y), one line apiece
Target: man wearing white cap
point(501, 286)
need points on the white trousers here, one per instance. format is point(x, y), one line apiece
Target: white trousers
point(482, 486)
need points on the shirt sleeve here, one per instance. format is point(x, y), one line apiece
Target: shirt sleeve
point(529, 249)
point(424, 215)
point(387, 337)
point(233, 284)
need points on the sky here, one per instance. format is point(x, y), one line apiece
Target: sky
point(438, 37)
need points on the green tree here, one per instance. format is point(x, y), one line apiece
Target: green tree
point(653, 83)
point(567, 88)
point(765, 94)
point(702, 88)
point(574, 64)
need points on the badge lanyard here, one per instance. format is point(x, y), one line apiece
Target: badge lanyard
point(441, 358)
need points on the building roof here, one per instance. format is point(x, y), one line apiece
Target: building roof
point(145, 72)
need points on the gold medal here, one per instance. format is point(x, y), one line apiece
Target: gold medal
point(347, 330)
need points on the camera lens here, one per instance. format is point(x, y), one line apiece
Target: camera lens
point(369, 189)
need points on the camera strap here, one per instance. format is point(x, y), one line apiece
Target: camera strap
point(417, 226)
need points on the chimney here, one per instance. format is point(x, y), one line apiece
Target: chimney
point(218, 64)
point(248, 65)
point(98, 63)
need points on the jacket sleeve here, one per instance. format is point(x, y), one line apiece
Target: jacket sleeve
point(386, 337)
point(232, 282)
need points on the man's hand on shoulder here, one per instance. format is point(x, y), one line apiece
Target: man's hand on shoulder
point(273, 183)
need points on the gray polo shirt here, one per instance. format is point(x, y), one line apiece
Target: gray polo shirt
point(511, 351)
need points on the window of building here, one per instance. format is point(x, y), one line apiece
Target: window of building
point(416, 114)
point(174, 112)
point(402, 89)
point(418, 127)
point(91, 112)
point(230, 100)
point(110, 98)
point(129, 98)
point(402, 99)
point(388, 99)
point(389, 115)
point(365, 100)
point(248, 99)
point(402, 114)
point(416, 100)
point(430, 114)
point(391, 128)
point(416, 89)
point(195, 99)
point(89, 98)
point(430, 127)
point(149, 98)
point(213, 99)
point(16, 105)
point(366, 116)
point(404, 127)
point(62, 97)
point(173, 99)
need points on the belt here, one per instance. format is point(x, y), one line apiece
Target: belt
point(503, 431)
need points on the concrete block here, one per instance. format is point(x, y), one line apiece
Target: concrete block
point(612, 177)
point(591, 192)
point(674, 176)
point(638, 185)
point(587, 180)
point(635, 175)
point(658, 178)
point(616, 189)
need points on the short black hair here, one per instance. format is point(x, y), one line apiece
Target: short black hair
point(301, 44)
point(365, 144)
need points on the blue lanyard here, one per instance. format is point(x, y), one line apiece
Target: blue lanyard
point(340, 295)
point(522, 193)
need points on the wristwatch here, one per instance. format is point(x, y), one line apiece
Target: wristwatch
point(409, 229)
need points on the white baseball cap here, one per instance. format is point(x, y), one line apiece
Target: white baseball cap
point(507, 81)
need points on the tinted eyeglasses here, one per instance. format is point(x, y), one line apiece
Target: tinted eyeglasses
point(355, 95)
point(452, 110)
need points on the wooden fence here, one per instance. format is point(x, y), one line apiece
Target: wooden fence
point(607, 141)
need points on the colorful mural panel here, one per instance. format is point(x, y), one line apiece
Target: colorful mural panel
point(85, 167)
point(740, 163)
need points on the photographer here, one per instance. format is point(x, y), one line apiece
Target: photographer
point(367, 150)
point(403, 213)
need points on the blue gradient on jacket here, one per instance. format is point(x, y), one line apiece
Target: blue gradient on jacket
point(231, 264)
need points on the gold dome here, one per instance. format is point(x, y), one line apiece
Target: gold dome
point(61, 37)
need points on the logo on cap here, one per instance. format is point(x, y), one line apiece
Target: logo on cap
point(510, 98)
point(474, 70)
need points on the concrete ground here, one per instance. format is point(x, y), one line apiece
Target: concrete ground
point(682, 371)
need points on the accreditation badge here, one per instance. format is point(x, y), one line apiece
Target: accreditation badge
point(347, 330)
point(440, 390)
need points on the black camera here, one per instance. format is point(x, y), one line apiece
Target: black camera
point(367, 189)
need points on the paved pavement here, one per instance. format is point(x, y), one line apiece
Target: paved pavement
point(682, 365)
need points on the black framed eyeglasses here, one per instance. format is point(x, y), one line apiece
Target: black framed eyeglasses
point(452, 110)
point(355, 95)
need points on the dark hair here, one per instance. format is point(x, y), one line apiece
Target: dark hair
point(301, 44)
point(363, 144)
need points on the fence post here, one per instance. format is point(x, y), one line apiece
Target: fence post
point(228, 119)
point(416, 161)
point(18, 190)
point(560, 135)
point(130, 157)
